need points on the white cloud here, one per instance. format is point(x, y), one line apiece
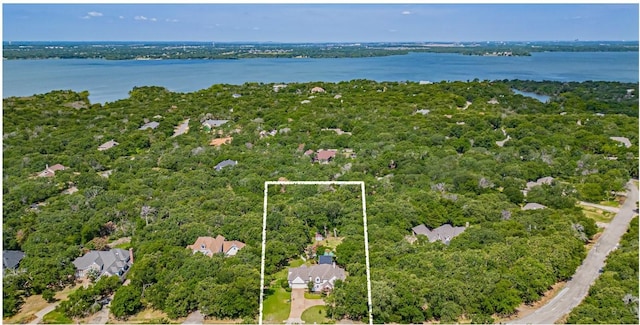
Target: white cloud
point(94, 14)
point(153, 19)
point(171, 20)
point(406, 12)
point(140, 18)
point(121, 17)
point(256, 28)
point(85, 17)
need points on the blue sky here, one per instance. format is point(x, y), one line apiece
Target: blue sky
point(319, 22)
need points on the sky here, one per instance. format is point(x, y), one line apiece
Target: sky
point(328, 22)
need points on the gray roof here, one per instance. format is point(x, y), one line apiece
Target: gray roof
point(323, 271)
point(622, 140)
point(110, 261)
point(443, 233)
point(150, 125)
point(108, 145)
point(214, 123)
point(325, 259)
point(225, 163)
point(533, 206)
point(11, 259)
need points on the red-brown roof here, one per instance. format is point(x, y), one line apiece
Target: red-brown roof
point(325, 155)
point(226, 246)
point(220, 141)
point(57, 167)
point(209, 245)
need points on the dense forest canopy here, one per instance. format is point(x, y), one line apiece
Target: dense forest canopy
point(429, 154)
point(212, 50)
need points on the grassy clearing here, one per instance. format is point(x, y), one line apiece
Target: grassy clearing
point(296, 262)
point(315, 315)
point(146, 316)
point(64, 294)
point(34, 304)
point(277, 306)
point(613, 204)
point(56, 317)
point(332, 242)
point(31, 306)
point(597, 214)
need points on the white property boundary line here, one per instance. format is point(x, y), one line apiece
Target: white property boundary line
point(364, 220)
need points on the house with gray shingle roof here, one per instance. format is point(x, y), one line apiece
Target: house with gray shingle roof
point(214, 123)
point(51, 171)
point(443, 233)
point(150, 125)
point(623, 140)
point(541, 181)
point(107, 145)
point(113, 262)
point(225, 163)
point(323, 276)
point(533, 206)
point(11, 259)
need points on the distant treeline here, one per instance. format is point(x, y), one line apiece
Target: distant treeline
point(210, 50)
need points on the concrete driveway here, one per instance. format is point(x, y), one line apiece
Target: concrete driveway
point(299, 304)
point(100, 317)
point(577, 288)
point(43, 312)
point(194, 318)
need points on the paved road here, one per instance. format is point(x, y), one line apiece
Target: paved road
point(100, 317)
point(600, 206)
point(194, 318)
point(43, 312)
point(577, 288)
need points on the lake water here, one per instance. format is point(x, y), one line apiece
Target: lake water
point(112, 80)
point(539, 97)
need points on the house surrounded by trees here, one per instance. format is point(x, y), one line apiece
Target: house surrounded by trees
point(112, 262)
point(209, 246)
point(323, 277)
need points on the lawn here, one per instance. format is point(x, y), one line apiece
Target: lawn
point(276, 306)
point(315, 315)
point(295, 263)
point(34, 304)
point(146, 316)
point(332, 242)
point(614, 204)
point(56, 317)
point(31, 306)
point(597, 214)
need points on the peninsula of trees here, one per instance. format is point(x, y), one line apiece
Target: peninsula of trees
point(213, 50)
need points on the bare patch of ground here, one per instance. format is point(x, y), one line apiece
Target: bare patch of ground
point(119, 241)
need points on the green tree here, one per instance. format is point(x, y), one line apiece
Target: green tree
point(126, 302)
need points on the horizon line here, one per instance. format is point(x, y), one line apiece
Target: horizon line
point(321, 42)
